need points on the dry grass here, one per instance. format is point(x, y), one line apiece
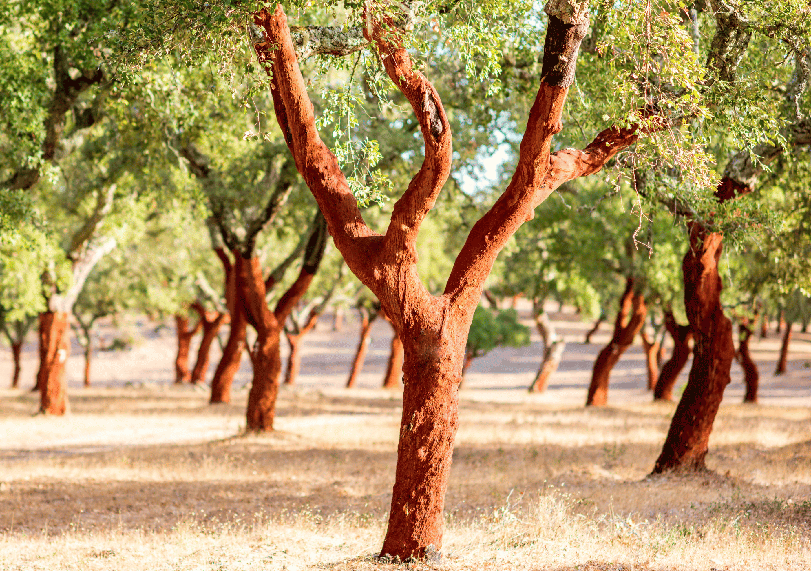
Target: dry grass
point(152, 478)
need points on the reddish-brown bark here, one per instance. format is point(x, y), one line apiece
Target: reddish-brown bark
point(652, 355)
point(682, 336)
point(294, 340)
point(184, 337)
point(232, 352)
point(629, 321)
point(88, 356)
point(391, 380)
point(16, 353)
point(367, 318)
point(750, 371)
point(687, 440)
point(433, 329)
point(54, 350)
point(553, 348)
point(782, 361)
point(211, 322)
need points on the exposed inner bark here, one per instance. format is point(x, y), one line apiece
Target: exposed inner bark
point(294, 340)
point(629, 321)
point(184, 337)
point(782, 361)
point(54, 350)
point(367, 318)
point(651, 346)
point(232, 352)
point(433, 329)
point(687, 440)
point(391, 380)
point(211, 321)
point(682, 335)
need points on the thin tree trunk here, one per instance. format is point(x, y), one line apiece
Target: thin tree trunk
point(338, 319)
point(750, 371)
point(16, 353)
point(184, 337)
point(391, 380)
point(686, 445)
point(651, 358)
point(764, 326)
point(212, 321)
point(783, 360)
point(363, 347)
point(231, 356)
point(54, 350)
point(681, 335)
point(594, 329)
point(294, 340)
point(88, 356)
point(553, 348)
point(630, 318)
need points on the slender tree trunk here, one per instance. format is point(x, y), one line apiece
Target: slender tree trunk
point(16, 353)
point(630, 318)
point(764, 326)
point(232, 352)
point(363, 347)
point(392, 378)
point(781, 321)
point(651, 347)
point(594, 329)
point(750, 372)
point(783, 360)
point(469, 356)
point(184, 337)
point(211, 328)
point(267, 369)
point(686, 445)
point(681, 335)
point(553, 348)
point(54, 350)
point(338, 319)
point(88, 356)
point(294, 340)
point(431, 375)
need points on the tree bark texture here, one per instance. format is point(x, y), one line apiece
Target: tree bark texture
point(184, 337)
point(294, 341)
point(16, 353)
point(782, 361)
point(432, 328)
point(629, 321)
point(750, 371)
point(686, 445)
point(88, 357)
point(553, 347)
point(391, 380)
point(681, 335)
point(211, 322)
point(366, 321)
point(54, 350)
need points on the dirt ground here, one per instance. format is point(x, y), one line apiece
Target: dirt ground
point(143, 474)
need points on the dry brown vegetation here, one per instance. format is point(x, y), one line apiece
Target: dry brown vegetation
point(150, 477)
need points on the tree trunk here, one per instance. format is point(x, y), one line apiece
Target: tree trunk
point(232, 352)
point(594, 329)
point(338, 319)
point(686, 445)
point(682, 335)
point(212, 321)
point(783, 360)
point(16, 353)
point(184, 337)
point(88, 356)
point(764, 326)
point(750, 372)
point(630, 318)
point(363, 347)
point(54, 350)
point(553, 348)
point(651, 358)
point(427, 431)
point(392, 378)
point(267, 368)
point(294, 340)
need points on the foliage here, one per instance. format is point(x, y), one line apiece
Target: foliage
point(495, 328)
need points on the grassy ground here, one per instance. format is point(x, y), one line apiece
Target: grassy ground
point(152, 478)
